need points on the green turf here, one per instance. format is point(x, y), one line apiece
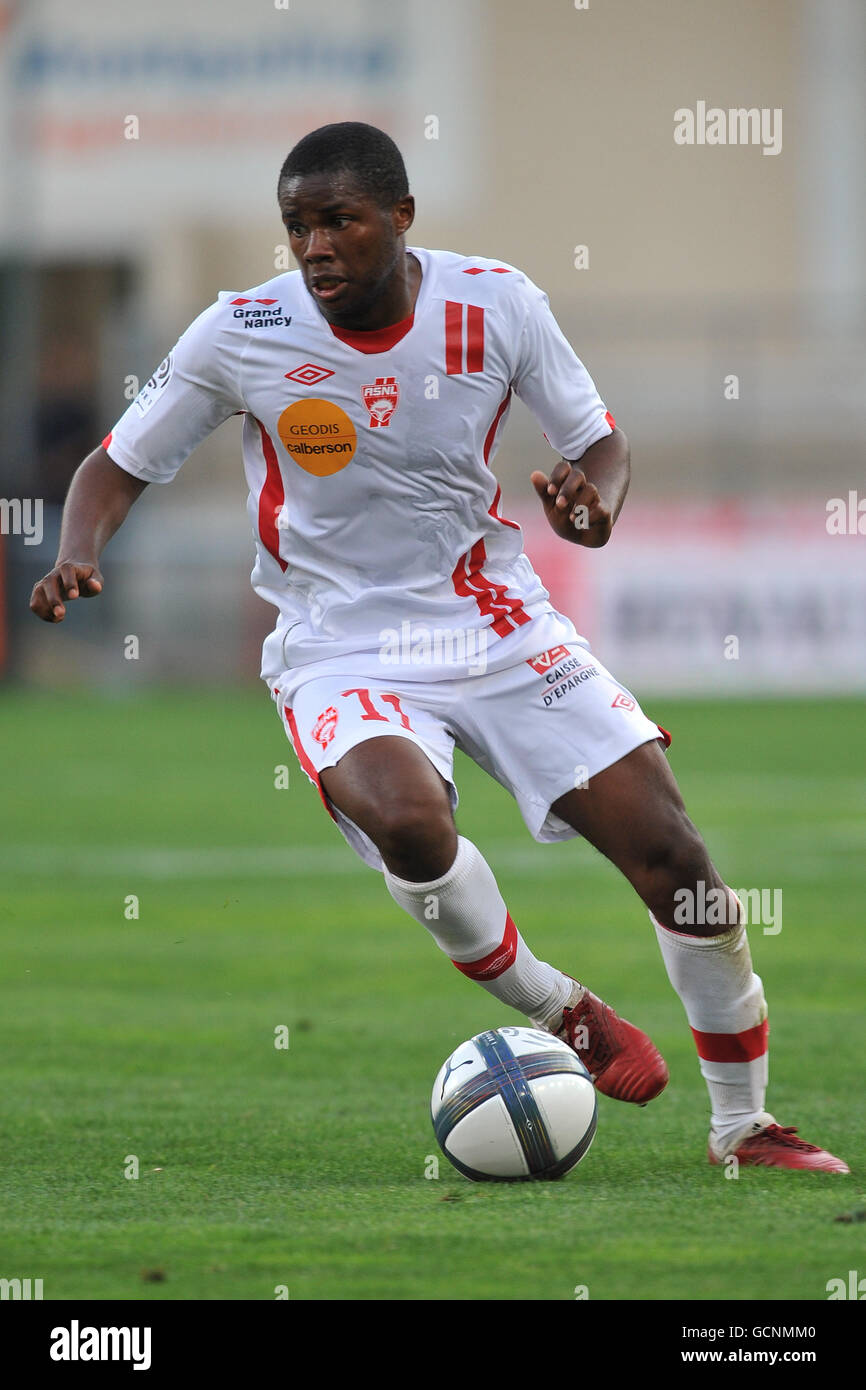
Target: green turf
point(305, 1167)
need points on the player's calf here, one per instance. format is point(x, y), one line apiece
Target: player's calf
point(466, 915)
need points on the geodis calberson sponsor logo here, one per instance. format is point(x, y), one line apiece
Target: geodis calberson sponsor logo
point(260, 313)
point(319, 435)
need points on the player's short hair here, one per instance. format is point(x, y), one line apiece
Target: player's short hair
point(352, 147)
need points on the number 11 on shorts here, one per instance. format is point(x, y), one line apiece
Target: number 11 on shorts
point(370, 713)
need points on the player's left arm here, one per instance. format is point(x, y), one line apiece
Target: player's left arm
point(584, 492)
point(583, 498)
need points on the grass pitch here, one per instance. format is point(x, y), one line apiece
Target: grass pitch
point(148, 1042)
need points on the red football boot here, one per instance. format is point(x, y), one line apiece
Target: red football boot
point(773, 1146)
point(622, 1061)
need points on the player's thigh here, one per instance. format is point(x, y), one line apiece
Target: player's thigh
point(386, 785)
point(382, 759)
point(633, 812)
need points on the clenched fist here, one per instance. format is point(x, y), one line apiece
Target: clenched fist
point(573, 505)
point(68, 580)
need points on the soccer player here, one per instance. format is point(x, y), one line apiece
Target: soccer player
point(375, 382)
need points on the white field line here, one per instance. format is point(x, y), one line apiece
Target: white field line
point(795, 853)
point(299, 861)
point(763, 788)
point(783, 852)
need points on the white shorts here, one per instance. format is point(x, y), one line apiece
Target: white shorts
point(541, 726)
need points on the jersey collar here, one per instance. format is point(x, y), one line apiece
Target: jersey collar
point(372, 340)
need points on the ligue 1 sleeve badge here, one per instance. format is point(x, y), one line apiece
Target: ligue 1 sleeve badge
point(381, 400)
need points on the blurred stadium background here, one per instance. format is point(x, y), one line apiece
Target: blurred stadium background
point(721, 311)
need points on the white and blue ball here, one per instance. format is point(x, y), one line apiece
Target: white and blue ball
point(513, 1104)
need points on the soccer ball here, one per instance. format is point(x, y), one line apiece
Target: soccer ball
point(513, 1104)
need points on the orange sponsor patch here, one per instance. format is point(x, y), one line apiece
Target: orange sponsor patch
point(318, 435)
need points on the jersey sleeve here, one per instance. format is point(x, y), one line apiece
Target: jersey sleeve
point(193, 390)
point(551, 379)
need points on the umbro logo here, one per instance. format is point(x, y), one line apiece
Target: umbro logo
point(309, 374)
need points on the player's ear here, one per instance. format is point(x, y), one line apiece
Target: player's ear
point(404, 214)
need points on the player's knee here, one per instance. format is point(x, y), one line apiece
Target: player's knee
point(676, 857)
point(680, 883)
point(416, 839)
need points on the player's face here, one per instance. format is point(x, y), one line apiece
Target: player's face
point(348, 248)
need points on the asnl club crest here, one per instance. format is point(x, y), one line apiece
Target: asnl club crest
point(381, 400)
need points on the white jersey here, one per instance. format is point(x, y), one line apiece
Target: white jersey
point(368, 456)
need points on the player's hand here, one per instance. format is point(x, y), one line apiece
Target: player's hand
point(573, 505)
point(66, 581)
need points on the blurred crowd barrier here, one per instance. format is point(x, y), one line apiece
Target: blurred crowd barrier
point(716, 292)
point(712, 598)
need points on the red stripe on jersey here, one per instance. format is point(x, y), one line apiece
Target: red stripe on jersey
point(271, 499)
point(453, 337)
point(610, 420)
point(488, 445)
point(491, 433)
point(107, 440)
point(497, 961)
point(305, 760)
point(492, 600)
point(474, 338)
point(492, 511)
point(733, 1047)
point(666, 737)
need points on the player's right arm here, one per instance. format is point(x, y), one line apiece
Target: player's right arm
point(98, 502)
point(192, 391)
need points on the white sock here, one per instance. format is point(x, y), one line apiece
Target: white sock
point(466, 915)
point(727, 1012)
